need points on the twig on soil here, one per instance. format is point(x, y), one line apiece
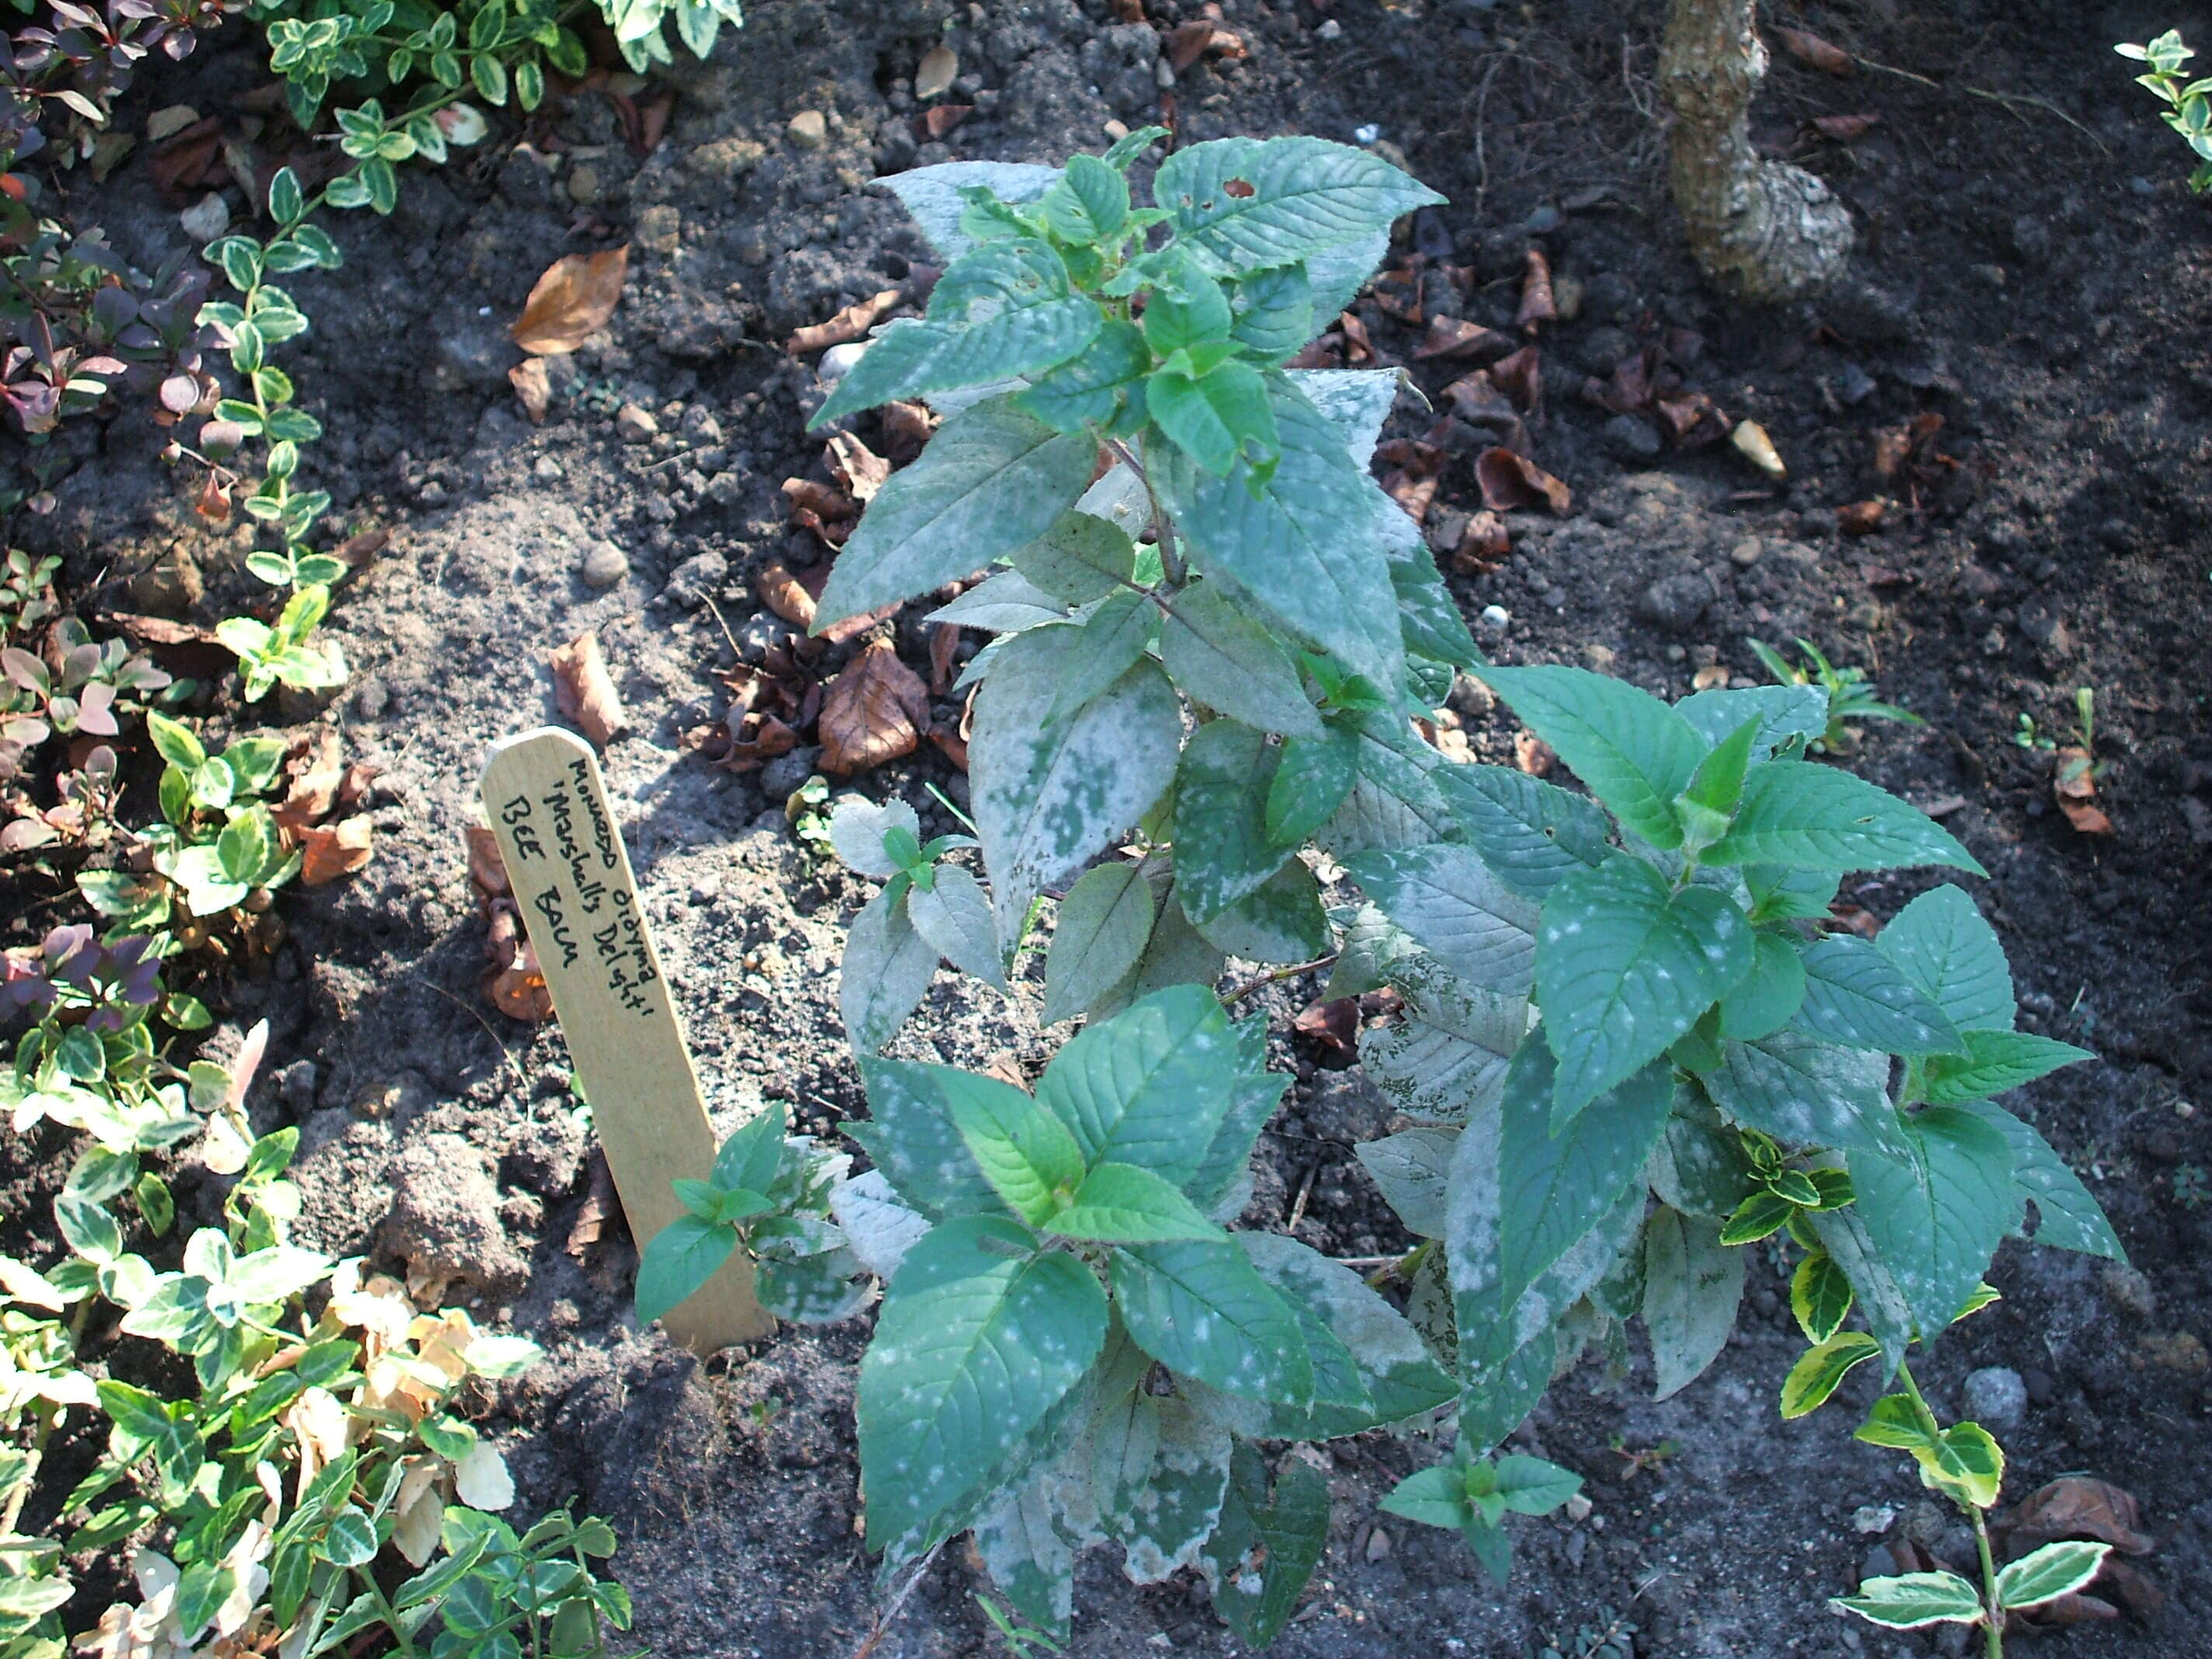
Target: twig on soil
point(1265, 980)
point(882, 1627)
point(2009, 100)
point(476, 1014)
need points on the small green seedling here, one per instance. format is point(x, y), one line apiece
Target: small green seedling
point(1851, 693)
point(2189, 103)
point(1472, 1495)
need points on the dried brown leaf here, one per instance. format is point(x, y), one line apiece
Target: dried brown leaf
point(487, 865)
point(850, 324)
point(600, 1207)
point(876, 710)
point(2077, 1506)
point(782, 593)
point(1520, 378)
point(533, 388)
point(1860, 518)
point(1813, 52)
point(1538, 307)
point(941, 119)
point(2074, 786)
point(1511, 482)
point(584, 691)
point(1483, 545)
point(943, 657)
point(1188, 42)
point(1844, 128)
point(1451, 336)
point(906, 428)
point(1533, 755)
point(328, 851)
point(1333, 1027)
point(852, 627)
point(571, 302)
point(859, 468)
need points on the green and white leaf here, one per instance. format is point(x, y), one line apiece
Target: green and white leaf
point(1225, 660)
point(978, 1338)
point(1446, 1059)
point(2048, 1573)
point(1821, 1369)
point(931, 195)
point(1913, 1600)
point(1943, 943)
point(1047, 797)
point(1856, 996)
point(1097, 940)
point(1807, 1093)
point(1161, 1470)
point(1410, 1168)
point(1935, 1210)
point(1004, 604)
point(1448, 899)
point(879, 1229)
point(1222, 849)
point(1151, 1085)
point(1625, 966)
point(857, 830)
point(1281, 920)
point(992, 480)
point(953, 916)
point(1692, 1285)
point(1297, 197)
point(1529, 832)
point(884, 973)
point(1634, 752)
point(910, 1136)
point(1784, 712)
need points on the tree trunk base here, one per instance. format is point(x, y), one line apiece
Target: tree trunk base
point(1761, 229)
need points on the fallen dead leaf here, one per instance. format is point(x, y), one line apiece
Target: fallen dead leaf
point(2078, 1506)
point(943, 657)
point(1533, 755)
point(1813, 52)
point(1854, 919)
point(1752, 443)
point(783, 594)
point(850, 324)
point(876, 710)
point(859, 468)
point(533, 388)
point(1510, 481)
point(317, 769)
point(943, 118)
point(486, 865)
point(600, 1205)
point(1860, 518)
point(1188, 42)
point(906, 428)
point(1520, 378)
point(933, 77)
point(1844, 128)
point(1334, 1027)
point(1482, 546)
point(770, 704)
point(1451, 337)
point(571, 302)
point(328, 851)
point(584, 691)
point(1712, 677)
point(828, 512)
point(2074, 786)
point(514, 983)
point(1538, 306)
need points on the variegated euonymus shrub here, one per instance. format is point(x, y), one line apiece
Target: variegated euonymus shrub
point(1629, 1046)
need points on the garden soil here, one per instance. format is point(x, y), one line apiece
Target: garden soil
point(2031, 268)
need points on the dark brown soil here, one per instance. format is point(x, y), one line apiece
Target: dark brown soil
point(2031, 269)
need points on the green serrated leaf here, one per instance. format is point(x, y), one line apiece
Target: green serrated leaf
point(1024, 1153)
point(1634, 752)
point(1244, 204)
point(1266, 1545)
point(1226, 661)
point(1935, 1209)
point(1625, 966)
point(1450, 902)
point(1994, 1062)
point(1531, 832)
point(1814, 817)
point(1149, 1086)
point(1097, 938)
point(1856, 996)
point(1203, 1310)
point(978, 1338)
point(1942, 944)
point(1692, 1282)
point(992, 480)
point(1124, 1204)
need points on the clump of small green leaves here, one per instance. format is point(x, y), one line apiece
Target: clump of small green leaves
point(769, 1192)
point(2188, 111)
point(1472, 1495)
point(311, 1483)
point(1074, 1350)
point(1851, 693)
point(1630, 1043)
point(217, 847)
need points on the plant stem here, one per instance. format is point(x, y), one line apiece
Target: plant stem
point(1265, 980)
point(1994, 1630)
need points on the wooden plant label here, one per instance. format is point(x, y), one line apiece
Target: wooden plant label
point(571, 876)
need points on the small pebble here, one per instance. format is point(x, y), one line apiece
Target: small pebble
point(1745, 554)
point(1495, 617)
point(636, 425)
point(1378, 1544)
point(809, 130)
point(2129, 1290)
point(1332, 30)
point(1996, 1398)
point(838, 361)
point(1367, 134)
point(603, 565)
point(1873, 1518)
point(546, 469)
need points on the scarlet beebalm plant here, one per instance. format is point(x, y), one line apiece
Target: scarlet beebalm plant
point(1630, 1045)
